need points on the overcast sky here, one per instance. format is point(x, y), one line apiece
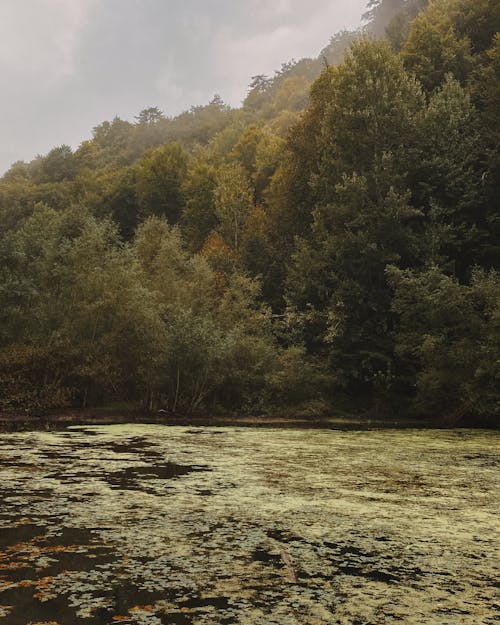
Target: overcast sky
point(67, 65)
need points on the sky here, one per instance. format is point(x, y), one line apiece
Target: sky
point(68, 65)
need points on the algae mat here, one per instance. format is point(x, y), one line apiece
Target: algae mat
point(151, 525)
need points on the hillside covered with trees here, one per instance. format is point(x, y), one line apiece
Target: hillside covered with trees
point(333, 244)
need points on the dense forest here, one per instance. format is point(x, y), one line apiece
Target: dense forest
point(332, 245)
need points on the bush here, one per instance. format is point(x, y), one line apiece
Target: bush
point(30, 379)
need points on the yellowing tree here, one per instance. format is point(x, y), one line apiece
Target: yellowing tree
point(233, 202)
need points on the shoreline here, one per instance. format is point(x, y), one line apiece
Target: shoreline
point(63, 420)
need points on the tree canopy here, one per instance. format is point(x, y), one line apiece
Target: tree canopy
point(333, 244)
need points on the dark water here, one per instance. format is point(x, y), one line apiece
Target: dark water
point(149, 525)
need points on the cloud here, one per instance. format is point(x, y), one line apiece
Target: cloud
point(66, 65)
point(296, 32)
point(38, 40)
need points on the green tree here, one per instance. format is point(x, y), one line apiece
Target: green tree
point(434, 48)
point(478, 20)
point(363, 218)
point(245, 150)
point(268, 157)
point(233, 202)
point(198, 216)
point(448, 335)
point(447, 182)
point(149, 116)
point(290, 196)
point(486, 95)
point(85, 315)
point(113, 143)
point(159, 178)
point(218, 345)
point(108, 319)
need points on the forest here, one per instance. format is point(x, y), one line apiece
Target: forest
point(333, 245)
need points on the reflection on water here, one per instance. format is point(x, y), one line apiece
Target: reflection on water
point(152, 525)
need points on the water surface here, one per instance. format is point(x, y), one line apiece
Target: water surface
point(153, 525)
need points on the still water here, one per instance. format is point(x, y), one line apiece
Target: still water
point(154, 525)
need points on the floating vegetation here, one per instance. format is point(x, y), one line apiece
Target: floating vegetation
point(152, 525)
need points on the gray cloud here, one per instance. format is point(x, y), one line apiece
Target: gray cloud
point(66, 65)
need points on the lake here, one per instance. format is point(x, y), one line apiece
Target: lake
point(157, 525)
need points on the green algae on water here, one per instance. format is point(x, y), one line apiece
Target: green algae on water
point(151, 525)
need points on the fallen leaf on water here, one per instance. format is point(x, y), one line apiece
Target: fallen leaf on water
point(142, 608)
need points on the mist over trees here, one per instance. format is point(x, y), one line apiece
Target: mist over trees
point(333, 244)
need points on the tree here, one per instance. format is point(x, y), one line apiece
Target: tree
point(149, 116)
point(435, 49)
point(198, 216)
point(290, 197)
point(447, 183)
point(108, 319)
point(479, 21)
point(259, 92)
point(218, 344)
point(486, 95)
point(246, 148)
point(88, 325)
point(159, 178)
point(110, 193)
point(384, 17)
point(233, 202)
point(113, 142)
point(59, 165)
point(448, 335)
point(292, 94)
point(268, 157)
point(255, 250)
point(363, 218)
point(333, 53)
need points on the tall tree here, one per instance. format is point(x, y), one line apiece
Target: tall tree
point(449, 337)
point(149, 116)
point(435, 48)
point(362, 220)
point(233, 202)
point(159, 178)
point(447, 181)
point(198, 216)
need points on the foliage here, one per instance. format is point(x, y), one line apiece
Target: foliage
point(198, 216)
point(233, 202)
point(31, 379)
point(159, 182)
point(434, 48)
point(362, 220)
point(391, 17)
point(450, 334)
point(336, 239)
